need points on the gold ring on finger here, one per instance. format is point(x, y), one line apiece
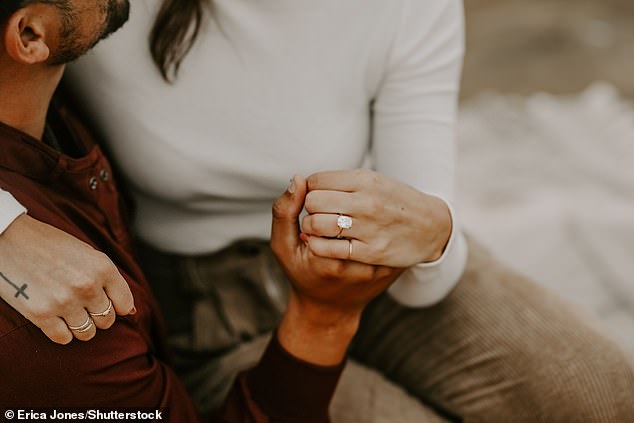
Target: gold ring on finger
point(104, 313)
point(349, 249)
point(85, 327)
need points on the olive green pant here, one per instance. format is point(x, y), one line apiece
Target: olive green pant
point(499, 348)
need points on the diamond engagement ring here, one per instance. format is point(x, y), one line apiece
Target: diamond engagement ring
point(343, 222)
point(105, 312)
point(85, 327)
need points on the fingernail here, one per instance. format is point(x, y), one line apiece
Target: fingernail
point(133, 311)
point(291, 186)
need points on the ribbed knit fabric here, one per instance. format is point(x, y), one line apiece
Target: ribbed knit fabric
point(499, 349)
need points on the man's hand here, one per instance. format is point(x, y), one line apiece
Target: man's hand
point(328, 294)
point(54, 280)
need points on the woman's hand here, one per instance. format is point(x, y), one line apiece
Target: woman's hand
point(55, 280)
point(393, 224)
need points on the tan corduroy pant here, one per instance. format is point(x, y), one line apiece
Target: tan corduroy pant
point(498, 349)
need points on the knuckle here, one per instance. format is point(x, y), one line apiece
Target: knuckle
point(322, 270)
point(59, 301)
point(42, 312)
point(376, 207)
point(335, 269)
point(313, 181)
point(104, 270)
point(278, 208)
point(370, 273)
point(84, 287)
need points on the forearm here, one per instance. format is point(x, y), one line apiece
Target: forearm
point(315, 333)
point(297, 375)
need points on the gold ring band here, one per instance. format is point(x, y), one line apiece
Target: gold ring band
point(85, 327)
point(105, 312)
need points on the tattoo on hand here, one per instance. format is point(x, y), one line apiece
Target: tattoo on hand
point(20, 290)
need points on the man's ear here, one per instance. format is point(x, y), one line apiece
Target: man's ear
point(26, 37)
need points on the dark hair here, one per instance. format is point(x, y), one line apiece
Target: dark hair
point(174, 33)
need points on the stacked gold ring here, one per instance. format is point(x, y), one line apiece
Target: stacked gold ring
point(104, 313)
point(85, 327)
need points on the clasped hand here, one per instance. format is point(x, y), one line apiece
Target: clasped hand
point(393, 224)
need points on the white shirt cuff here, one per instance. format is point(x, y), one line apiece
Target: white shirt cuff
point(10, 210)
point(426, 284)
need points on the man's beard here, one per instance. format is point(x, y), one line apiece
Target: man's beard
point(72, 46)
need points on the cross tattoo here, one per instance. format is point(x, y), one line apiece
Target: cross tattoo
point(20, 290)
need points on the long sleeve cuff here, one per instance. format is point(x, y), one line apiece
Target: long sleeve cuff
point(10, 210)
point(428, 283)
point(289, 389)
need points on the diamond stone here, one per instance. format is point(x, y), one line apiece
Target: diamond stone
point(344, 222)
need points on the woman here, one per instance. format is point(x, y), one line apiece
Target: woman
point(248, 94)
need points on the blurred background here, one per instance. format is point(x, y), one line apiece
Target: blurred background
point(558, 46)
point(546, 148)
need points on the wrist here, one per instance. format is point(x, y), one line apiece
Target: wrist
point(442, 228)
point(317, 333)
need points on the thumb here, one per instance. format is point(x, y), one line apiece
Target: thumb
point(286, 210)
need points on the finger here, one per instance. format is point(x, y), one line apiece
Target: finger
point(342, 249)
point(343, 271)
point(338, 180)
point(333, 202)
point(79, 324)
point(286, 210)
point(102, 311)
point(56, 330)
point(326, 225)
point(117, 289)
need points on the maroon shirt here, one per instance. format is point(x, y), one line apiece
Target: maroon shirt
point(124, 366)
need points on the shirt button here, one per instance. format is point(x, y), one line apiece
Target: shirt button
point(104, 175)
point(93, 183)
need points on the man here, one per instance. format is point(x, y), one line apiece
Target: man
point(50, 163)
